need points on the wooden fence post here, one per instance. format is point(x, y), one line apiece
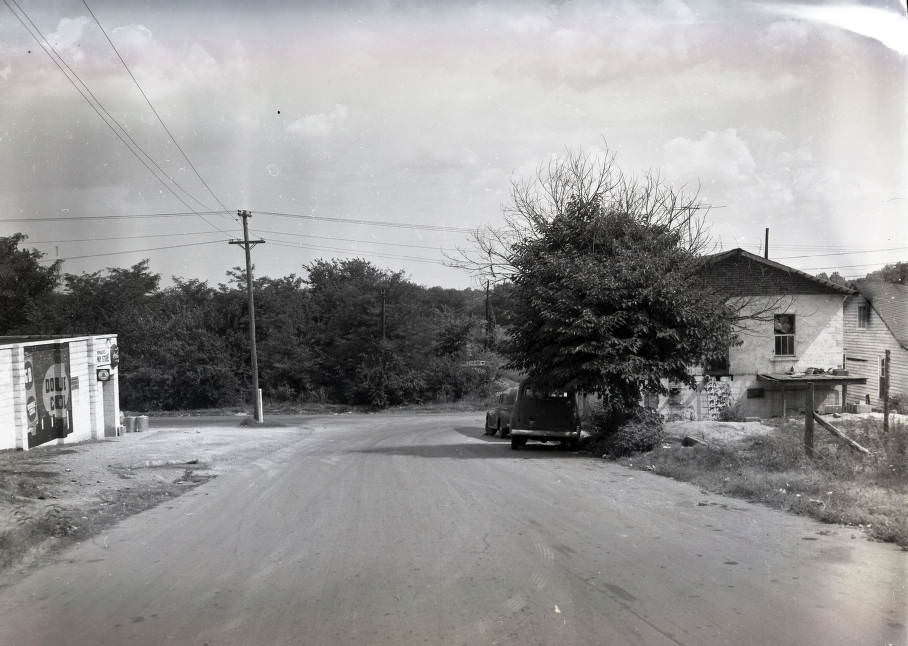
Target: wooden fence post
point(808, 423)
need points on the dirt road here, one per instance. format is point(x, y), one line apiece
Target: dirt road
point(419, 529)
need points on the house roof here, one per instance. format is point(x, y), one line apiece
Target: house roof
point(43, 338)
point(890, 301)
point(821, 284)
point(36, 338)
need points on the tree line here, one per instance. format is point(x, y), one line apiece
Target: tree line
point(345, 332)
point(597, 288)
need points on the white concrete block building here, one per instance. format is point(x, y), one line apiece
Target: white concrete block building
point(794, 339)
point(58, 390)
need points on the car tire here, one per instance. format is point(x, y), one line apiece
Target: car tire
point(517, 442)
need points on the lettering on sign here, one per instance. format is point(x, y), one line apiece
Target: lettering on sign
point(102, 357)
point(56, 391)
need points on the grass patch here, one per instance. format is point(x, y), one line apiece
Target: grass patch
point(837, 486)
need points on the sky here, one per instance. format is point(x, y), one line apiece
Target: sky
point(390, 130)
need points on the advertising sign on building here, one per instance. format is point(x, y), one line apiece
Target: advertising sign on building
point(48, 391)
point(102, 356)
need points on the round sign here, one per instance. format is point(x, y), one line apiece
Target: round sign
point(31, 409)
point(29, 377)
point(55, 393)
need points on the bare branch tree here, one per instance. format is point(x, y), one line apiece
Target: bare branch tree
point(580, 177)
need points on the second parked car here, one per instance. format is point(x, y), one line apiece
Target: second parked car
point(498, 417)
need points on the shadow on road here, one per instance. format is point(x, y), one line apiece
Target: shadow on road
point(491, 447)
point(478, 433)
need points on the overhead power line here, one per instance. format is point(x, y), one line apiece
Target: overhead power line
point(843, 253)
point(129, 251)
point(108, 238)
point(371, 254)
point(66, 218)
point(376, 242)
point(376, 223)
point(134, 147)
point(866, 264)
point(148, 101)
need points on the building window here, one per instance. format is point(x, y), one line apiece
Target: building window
point(784, 325)
point(863, 316)
point(651, 400)
point(882, 378)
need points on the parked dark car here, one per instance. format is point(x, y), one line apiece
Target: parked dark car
point(498, 417)
point(550, 416)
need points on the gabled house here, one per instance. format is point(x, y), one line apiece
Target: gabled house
point(792, 333)
point(876, 320)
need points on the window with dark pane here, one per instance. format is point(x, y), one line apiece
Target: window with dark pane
point(784, 326)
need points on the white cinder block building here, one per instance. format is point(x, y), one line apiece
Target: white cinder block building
point(792, 339)
point(58, 389)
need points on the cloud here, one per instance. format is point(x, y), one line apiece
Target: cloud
point(199, 64)
point(321, 124)
point(66, 39)
point(530, 23)
point(785, 35)
point(882, 25)
point(5, 72)
point(721, 157)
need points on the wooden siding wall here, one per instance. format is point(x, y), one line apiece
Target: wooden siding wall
point(863, 349)
point(80, 397)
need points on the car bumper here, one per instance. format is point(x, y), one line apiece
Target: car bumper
point(550, 435)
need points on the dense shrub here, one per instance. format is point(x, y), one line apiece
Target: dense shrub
point(898, 402)
point(616, 437)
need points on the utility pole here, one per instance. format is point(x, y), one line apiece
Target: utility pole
point(382, 348)
point(247, 245)
point(383, 314)
point(489, 337)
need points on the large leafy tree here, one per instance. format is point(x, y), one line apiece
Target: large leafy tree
point(892, 273)
point(606, 295)
point(377, 339)
point(24, 284)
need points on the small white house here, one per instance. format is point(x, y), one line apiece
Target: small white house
point(58, 389)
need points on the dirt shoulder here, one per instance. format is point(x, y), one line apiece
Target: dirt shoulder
point(767, 463)
point(51, 497)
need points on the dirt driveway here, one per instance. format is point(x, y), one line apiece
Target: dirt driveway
point(53, 496)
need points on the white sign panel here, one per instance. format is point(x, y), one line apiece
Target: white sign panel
point(102, 356)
